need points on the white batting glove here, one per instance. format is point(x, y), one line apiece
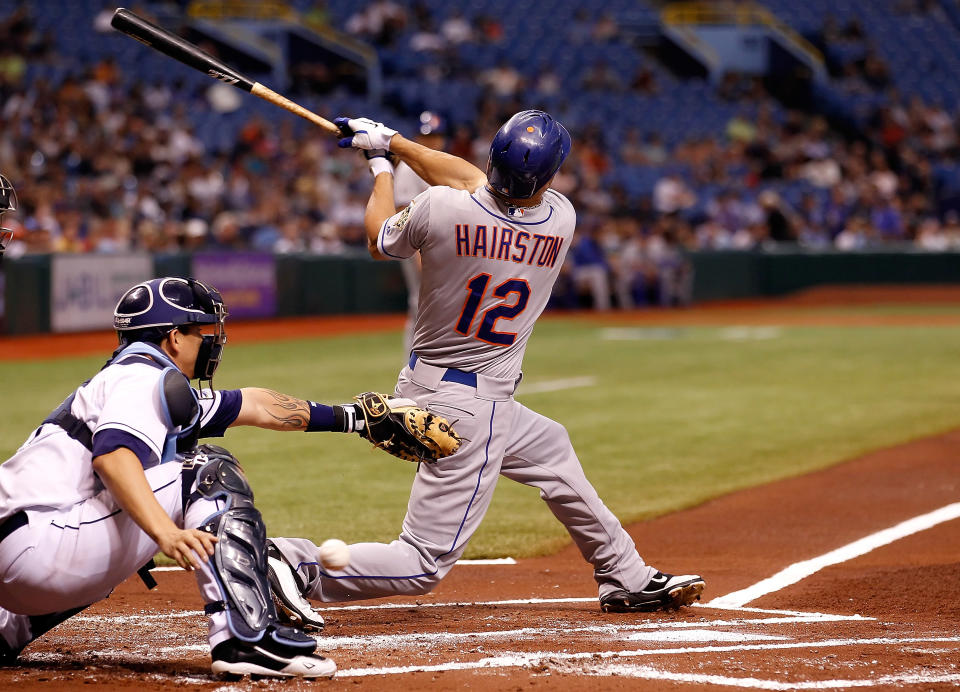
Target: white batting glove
point(379, 161)
point(364, 133)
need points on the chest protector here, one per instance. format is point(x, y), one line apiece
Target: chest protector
point(178, 402)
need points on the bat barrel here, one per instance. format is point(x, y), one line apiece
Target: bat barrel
point(177, 48)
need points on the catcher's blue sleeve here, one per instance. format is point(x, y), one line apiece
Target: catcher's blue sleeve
point(224, 410)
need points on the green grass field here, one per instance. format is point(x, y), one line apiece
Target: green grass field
point(674, 417)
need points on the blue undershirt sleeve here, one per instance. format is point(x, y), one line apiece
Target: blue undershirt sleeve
point(112, 439)
point(230, 402)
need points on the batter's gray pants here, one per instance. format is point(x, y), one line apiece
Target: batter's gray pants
point(449, 498)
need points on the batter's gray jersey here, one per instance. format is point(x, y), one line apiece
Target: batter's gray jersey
point(488, 271)
point(406, 184)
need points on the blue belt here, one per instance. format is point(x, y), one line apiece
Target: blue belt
point(452, 374)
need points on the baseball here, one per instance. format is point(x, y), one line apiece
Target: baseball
point(334, 554)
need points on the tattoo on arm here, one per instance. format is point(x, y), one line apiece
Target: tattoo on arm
point(289, 412)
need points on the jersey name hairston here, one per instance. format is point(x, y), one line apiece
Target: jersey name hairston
point(508, 244)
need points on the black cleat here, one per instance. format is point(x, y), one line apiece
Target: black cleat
point(268, 658)
point(664, 592)
point(292, 607)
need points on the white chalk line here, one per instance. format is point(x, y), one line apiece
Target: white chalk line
point(786, 615)
point(556, 385)
point(524, 658)
point(489, 561)
point(661, 631)
point(651, 673)
point(772, 611)
point(518, 659)
point(802, 570)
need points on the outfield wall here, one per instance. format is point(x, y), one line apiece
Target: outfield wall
point(78, 292)
point(734, 274)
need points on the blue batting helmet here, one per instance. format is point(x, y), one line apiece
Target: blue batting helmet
point(526, 153)
point(152, 309)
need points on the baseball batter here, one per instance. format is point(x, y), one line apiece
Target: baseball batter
point(491, 246)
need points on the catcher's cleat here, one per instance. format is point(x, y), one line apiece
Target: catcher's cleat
point(268, 658)
point(285, 584)
point(664, 592)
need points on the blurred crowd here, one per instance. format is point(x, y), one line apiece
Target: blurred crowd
point(102, 165)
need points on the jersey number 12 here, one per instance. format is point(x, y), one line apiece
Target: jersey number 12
point(477, 286)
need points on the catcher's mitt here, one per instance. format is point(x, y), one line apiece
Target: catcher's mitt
point(403, 429)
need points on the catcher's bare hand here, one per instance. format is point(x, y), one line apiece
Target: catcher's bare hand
point(187, 546)
point(403, 429)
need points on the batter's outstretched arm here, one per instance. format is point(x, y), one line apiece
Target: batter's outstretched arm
point(380, 207)
point(438, 167)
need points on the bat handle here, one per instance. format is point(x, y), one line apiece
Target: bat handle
point(273, 97)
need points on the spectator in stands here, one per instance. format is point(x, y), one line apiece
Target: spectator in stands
point(114, 165)
point(931, 237)
point(455, 29)
point(643, 80)
point(671, 194)
point(325, 239)
point(856, 234)
point(886, 220)
point(380, 21)
point(591, 272)
point(503, 79)
point(780, 220)
point(601, 76)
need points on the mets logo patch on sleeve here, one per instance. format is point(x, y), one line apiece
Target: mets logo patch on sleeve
point(403, 218)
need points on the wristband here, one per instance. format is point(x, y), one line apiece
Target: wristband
point(380, 165)
point(347, 418)
point(322, 418)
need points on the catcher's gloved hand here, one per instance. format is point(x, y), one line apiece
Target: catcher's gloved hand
point(379, 161)
point(363, 133)
point(403, 429)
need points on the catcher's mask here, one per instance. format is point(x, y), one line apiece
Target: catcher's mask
point(152, 309)
point(8, 202)
point(525, 154)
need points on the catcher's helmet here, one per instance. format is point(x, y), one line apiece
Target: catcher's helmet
point(152, 309)
point(526, 153)
point(8, 202)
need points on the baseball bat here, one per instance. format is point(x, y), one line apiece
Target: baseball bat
point(183, 51)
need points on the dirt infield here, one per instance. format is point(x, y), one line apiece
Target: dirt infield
point(837, 579)
point(886, 619)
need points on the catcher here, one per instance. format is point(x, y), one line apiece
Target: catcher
point(114, 474)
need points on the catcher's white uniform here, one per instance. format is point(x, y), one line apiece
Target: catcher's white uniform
point(488, 270)
point(77, 545)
